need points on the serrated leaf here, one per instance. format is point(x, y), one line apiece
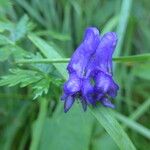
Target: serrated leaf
point(40, 82)
point(13, 50)
point(18, 76)
point(41, 87)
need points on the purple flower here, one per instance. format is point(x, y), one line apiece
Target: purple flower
point(83, 53)
point(90, 71)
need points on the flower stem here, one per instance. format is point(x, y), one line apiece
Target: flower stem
point(133, 58)
point(27, 61)
point(125, 59)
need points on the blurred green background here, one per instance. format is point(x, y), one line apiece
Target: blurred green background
point(27, 27)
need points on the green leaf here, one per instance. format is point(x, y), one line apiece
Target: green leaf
point(4, 53)
point(111, 24)
point(104, 142)
point(19, 76)
point(73, 130)
point(21, 29)
point(6, 26)
point(133, 125)
point(41, 87)
point(40, 83)
point(110, 124)
point(4, 40)
point(54, 35)
point(49, 52)
point(145, 106)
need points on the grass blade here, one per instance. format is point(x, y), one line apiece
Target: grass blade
point(38, 125)
point(133, 125)
point(123, 21)
point(140, 110)
point(31, 11)
point(107, 120)
point(111, 24)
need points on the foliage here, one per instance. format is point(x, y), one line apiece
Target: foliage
point(36, 39)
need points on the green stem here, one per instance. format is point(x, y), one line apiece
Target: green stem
point(27, 61)
point(125, 59)
point(38, 125)
point(134, 58)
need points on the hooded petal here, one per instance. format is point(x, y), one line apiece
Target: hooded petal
point(102, 82)
point(87, 91)
point(73, 85)
point(83, 53)
point(104, 85)
point(113, 88)
point(84, 103)
point(106, 102)
point(68, 103)
point(103, 56)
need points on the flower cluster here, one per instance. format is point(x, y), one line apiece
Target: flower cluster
point(90, 71)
